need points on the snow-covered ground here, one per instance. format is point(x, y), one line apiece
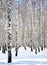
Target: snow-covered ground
point(25, 57)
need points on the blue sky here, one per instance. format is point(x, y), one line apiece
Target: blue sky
point(45, 2)
point(20, 1)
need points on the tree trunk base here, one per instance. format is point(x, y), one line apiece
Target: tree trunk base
point(25, 48)
point(3, 50)
point(35, 50)
point(16, 52)
point(31, 48)
point(38, 49)
point(9, 57)
point(41, 48)
point(0, 47)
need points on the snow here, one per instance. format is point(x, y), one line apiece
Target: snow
point(25, 57)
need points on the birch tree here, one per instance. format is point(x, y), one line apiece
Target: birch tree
point(24, 4)
point(17, 27)
point(45, 25)
point(41, 25)
point(9, 31)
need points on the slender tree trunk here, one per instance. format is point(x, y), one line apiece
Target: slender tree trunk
point(41, 25)
point(0, 47)
point(17, 27)
point(9, 32)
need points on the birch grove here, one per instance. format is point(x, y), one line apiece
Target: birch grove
point(27, 25)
